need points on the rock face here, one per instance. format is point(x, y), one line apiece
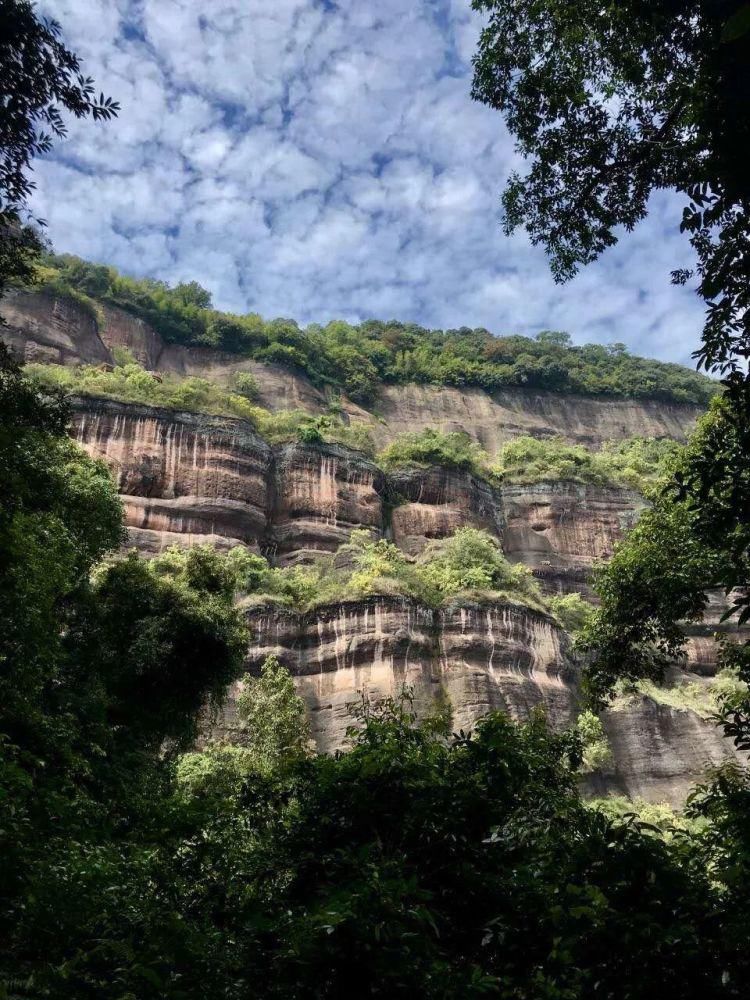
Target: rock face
point(184, 477)
point(658, 752)
point(493, 420)
point(190, 478)
point(432, 503)
point(51, 330)
point(322, 493)
point(187, 478)
point(562, 529)
point(44, 327)
point(478, 657)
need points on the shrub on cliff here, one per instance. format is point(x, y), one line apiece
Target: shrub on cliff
point(571, 610)
point(454, 449)
point(469, 561)
point(131, 383)
point(636, 462)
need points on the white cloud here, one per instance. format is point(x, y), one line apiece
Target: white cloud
point(312, 160)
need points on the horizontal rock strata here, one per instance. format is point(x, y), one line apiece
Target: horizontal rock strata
point(183, 476)
point(432, 503)
point(50, 328)
point(322, 493)
point(478, 657)
point(190, 478)
point(561, 529)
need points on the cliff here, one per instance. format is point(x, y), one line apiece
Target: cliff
point(190, 478)
point(43, 327)
point(480, 657)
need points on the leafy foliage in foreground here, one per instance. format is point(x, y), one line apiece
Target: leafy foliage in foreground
point(416, 866)
point(101, 680)
point(695, 537)
point(40, 79)
point(359, 359)
point(611, 103)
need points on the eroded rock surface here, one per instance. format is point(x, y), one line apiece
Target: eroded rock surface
point(478, 657)
point(432, 503)
point(562, 529)
point(51, 328)
point(658, 752)
point(184, 477)
point(323, 492)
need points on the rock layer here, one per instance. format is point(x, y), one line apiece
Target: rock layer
point(184, 477)
point(658, 752)
point(432, 503)
point(561, 529)
point(473, 658)
point(323, 492)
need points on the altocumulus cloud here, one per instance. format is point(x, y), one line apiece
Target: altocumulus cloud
point(317, 160)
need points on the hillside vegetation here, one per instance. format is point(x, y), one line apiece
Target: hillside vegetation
point(637, 463)
point(359, 358)
point(469, 563)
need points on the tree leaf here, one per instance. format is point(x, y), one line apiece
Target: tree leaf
point(737, 25)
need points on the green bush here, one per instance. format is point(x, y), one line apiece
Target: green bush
point(131, 383)
point(468, 563)
point(571, 610)
point(597, 752)
point(455, 449)
point(284, 426)
point(636, 462)
point(472, 561)
point(659, 817)
point(246, 385)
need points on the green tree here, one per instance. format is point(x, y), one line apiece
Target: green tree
point(610, 103)
point(694, 538)
point(39, 80)
point(420, 867)
point(356, 359)
point(103, 673)
point(272, 718)
point(192, 294)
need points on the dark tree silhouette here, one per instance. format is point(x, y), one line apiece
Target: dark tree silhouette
point(40, 79)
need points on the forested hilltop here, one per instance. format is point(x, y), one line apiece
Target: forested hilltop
point(357, 358)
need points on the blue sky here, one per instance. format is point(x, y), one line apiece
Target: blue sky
point(318, 160)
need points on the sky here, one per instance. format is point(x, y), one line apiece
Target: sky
point(322, 160)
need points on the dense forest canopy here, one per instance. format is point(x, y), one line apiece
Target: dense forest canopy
point(358, 358)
